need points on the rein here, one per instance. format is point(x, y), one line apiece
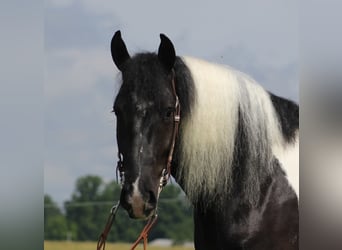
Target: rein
point(165, 176)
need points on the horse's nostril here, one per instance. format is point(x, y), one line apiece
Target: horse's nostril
point(124, 200)
point(152, 198)
point(151, 204)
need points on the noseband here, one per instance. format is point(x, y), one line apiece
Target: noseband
point(165, 176)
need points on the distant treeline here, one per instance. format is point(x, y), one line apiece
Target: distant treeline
point(83, 217)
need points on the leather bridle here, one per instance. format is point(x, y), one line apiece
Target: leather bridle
point(176, 119)
point(165, 176)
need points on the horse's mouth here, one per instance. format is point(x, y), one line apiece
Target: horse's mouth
point(146, 214)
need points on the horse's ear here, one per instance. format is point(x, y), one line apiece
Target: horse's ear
point(119, 51)
point(166, 52)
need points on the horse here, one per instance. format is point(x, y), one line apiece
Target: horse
point(231, 145)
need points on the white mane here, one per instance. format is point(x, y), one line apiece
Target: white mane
point(207, 144)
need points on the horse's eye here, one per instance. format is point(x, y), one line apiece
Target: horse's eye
point(168, 113)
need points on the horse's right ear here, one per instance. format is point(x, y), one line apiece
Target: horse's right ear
point(119, 51)
point(166, 52)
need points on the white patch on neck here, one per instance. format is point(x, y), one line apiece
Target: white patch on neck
point(288, 156)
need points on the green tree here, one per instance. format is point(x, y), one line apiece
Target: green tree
point(175, 216)
point(55, 225)
point(88, 209)
point(82, 210)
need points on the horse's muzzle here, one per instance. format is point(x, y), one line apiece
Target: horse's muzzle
point(138, 205)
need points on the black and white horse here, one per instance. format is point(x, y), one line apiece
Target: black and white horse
point(235, 155)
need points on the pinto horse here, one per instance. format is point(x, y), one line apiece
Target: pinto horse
point(235, 153)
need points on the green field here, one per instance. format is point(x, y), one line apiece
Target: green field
point(63, 245)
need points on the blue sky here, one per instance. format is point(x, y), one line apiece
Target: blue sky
point(259, 38)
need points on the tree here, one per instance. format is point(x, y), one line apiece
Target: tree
point(175, 216)
point(82, 209)
point(88, 209)
point(55, 226)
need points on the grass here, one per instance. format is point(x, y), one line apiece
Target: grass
point(64, 245)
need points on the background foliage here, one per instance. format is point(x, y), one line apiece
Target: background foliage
point(82, 218)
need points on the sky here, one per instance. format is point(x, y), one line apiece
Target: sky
point(259, 38)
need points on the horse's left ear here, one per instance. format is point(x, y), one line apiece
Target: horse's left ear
point(166, 52)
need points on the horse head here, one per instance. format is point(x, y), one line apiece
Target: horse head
point(144, 107)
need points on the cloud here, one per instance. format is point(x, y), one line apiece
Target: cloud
point(269, 27)
point(75, 27)
point(60, 3)
point(79, 126)
point(54, 176)
point(72, 71)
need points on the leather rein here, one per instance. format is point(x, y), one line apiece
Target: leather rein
point(165, 176)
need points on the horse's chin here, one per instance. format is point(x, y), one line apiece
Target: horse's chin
point(140, 216)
